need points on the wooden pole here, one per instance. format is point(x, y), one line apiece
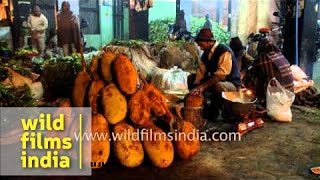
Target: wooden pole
point(229, 15)
point(177, 8)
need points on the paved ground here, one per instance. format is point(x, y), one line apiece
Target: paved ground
point(276, 151)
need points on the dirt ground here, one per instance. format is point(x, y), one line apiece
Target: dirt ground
point(276, 151)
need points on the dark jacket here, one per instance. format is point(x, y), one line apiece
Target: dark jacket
point(68, 29)
point(244, 60)
point(212, 64)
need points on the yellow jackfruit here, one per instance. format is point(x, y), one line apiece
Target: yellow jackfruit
point(107, 58)
point(80, 88)
point(100, 148)
point(93, 92)
point(139, 108)
point(128, 149)
point(125, 74)
point(188, 144)
point(114, 104)
point(94, 64)
point(158, 147)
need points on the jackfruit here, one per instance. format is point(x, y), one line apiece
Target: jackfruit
point(188, 144)
point(114, 104)
point(125, 74)
point(139, 109)
point(128, 149)
point(81, 84)
point(158, 147)
point(100, 148)
point(107, 58)
point(93, 92)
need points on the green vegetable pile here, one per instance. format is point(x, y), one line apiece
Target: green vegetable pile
point(158, 29)
point(16, 97)
point(220, 33)
point(130, 43)
point(25, 53)
point(18, 66)
point(4, 46)
point(58, 75)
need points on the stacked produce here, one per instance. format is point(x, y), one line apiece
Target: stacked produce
point(122, 102)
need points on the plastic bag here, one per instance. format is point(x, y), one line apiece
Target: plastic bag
point(279, 101)
point(172, 79)
point(298, 73)
point(302, 85)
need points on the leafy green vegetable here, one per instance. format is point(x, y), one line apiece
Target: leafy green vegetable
point(220, 33)
point(158, 29)
point(58, 76)
point(17, 65)
point(26, 52)
point(130, 43)
point(4, 46)
point(16, 97)
point(4, 73)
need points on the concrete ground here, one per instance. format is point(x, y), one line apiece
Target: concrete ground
point(276, 151)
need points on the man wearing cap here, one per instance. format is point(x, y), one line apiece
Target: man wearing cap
point(217, 72)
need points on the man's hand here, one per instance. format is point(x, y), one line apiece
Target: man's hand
point(197, 90)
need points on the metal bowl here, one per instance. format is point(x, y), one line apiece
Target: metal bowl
point(239, 103)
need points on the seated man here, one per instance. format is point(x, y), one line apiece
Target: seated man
point(269, 63)
point(217, 72)
point(244, 60)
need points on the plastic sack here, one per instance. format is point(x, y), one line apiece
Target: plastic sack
point(37, 90)
point(298, 73)
point(302, 85)
point(172, 79)
point(279, 101)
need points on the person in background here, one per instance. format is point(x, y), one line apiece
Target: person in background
point(68, 32)
point(208, 23)
point(38, 23)
point(52, 40)
point(3, 13)
point(217, 72)
point(269, 63)
point(52, 44)
point(181, 22)
point(244, 60)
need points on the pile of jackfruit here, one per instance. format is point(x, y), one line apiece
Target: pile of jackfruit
point(122, 101)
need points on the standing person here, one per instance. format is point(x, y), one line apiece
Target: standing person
point(181, 21)
point(69, 38)
point(208, 23)
point(217, 72)
point(38, 24)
